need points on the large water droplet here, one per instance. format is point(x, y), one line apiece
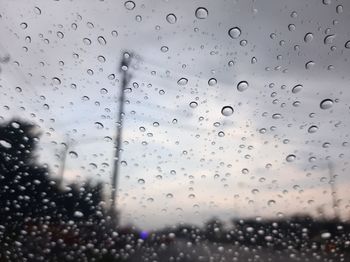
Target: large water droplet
point(130, 5)
point(312, 129)
point(329, 39)
point(308, 37)
point(87, 41)
point(212, 81)
point(242, 86)
point(5, 144)
point(193, 104)
point(171, 18)
point(290, 158)
point(347, 44)
point(297, 89)
point(73, 154)
point(326, 103)
point(309, 65)
point(234, 32)
point(227, 111)
point(182, 81)
point(201, 13)
point(102, 40)
point(98, 125)
point(141, 181)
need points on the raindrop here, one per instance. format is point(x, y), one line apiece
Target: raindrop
point(23, 25)
point(212, 82)
point(101, 59)
point(171, 18)
point(297, 89)
point(242, 86)
point(308, 37)
point(98, 125)
point(18, 89)
point(309, 65)
point(182, 81)
point(227, 111)
point(271, 202)
point(221, 134)
point(253, 60)
point(339, 9)
point(60, 35)
point(141, 181)
point(290, 158)
point(326, 235)
point(326, 104)
point(37, 10)
point(234, 32)
point(103, 91)
point(201, 13)
point(73, 154)
point(193, 104)
point(329, 39)
point(56, 80)
point(347, 44)
point(312, 129)
point(291, 27)
point(130, 5)
point(101, 40)
point(326, 2)
point(78, 214)
point(164, 49)
point(169, 195)
point(87, 41)
point(5, 144)
point(114, 33)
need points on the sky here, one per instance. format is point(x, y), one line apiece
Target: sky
point(183, 159)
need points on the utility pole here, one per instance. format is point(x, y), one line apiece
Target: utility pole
point(126, 76)
point(63, 157)
point(333, 191)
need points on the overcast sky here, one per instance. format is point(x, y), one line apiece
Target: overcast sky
point(177, 166)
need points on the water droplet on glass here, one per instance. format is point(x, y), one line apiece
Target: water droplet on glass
point(37, 10)
point(297, 89)
point(193, 104)
point(309, 65)
point(98, 125)
point(171, 18)
point(242, 86)
point(221, 134)
point(23, 25)
point(56, 80)
point(182, 81)
point(290, 158)
point(329, 39)
point(227, 111)
point(271, 202)
point(326, 235)
point(339, 9)
point(101, 40)
point(73, 154)
point(326, 104)
point(169, 195)
point(130, 5)
point(164, 49)
point(60, 35)
point(347, 44)
point(234, 32)
point(78, 214)
point(5, 144)
point(326, 2)
point(141, 181)
point(212, 82)
point(201, 13)
point(312, 129)
point(308, 37)
point(87, 41)
point(291, 27)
